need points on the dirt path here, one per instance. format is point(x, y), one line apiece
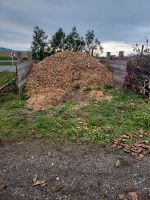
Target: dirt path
point(72, 171)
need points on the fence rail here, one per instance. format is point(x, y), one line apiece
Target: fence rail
point(5, 87)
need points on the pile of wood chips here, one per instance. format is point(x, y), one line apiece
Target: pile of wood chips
point(59, 73)
point(99, 95)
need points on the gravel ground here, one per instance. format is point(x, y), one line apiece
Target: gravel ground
point(72, 170)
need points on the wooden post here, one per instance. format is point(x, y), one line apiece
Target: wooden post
point(29, 56)
point(19, 57)
point(142, 50)
point(87, 52)
point(92, 51)
point(108, 57)
point(121, 54)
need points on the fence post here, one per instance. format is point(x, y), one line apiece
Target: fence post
point(142, 50)
point(19, 57)
point(108, 57)
point(29, 56)
point(121, 54)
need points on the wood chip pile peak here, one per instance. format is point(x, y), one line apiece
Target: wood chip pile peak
point(64, 70)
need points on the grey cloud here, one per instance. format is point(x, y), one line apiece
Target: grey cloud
point(112, 20)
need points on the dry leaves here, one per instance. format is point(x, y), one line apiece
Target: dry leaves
point(132, 196)
point(57, 186)
point(138, 149)
point(61, 72)
point(128, 196)
point(121, 196)
point(2, 187)
point(37, 181)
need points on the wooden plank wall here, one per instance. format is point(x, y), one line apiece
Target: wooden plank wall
point(22, 71)
point(118, 68)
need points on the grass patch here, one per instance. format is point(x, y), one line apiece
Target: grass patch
point(8, 63)
point(106, 87)
point(5, 77)
point(87, 89)
point(5, 56)
point(76, 86)
point(98, 121)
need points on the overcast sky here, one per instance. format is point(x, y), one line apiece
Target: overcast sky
point(115, 22)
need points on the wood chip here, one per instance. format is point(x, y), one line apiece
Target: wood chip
point(133, 196)
point(36, 182)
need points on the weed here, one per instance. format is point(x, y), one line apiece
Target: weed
point(76, 86)
point(98, 88)
point(23, 96)
point(107, 87)
point(16, 104)
point(87, 89)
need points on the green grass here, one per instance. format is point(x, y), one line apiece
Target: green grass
point(98, 121)
point(5, 56)
point(7, 63)
point(87, 89)
point(5, 77)
point(76, 86)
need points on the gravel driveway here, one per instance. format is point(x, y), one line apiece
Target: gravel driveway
point(72, 171)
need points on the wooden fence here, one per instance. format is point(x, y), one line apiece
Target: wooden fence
point(6, 87)
point(22, 71)
point(118, 68)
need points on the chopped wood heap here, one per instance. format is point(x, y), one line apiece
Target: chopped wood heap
point(61, 72)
